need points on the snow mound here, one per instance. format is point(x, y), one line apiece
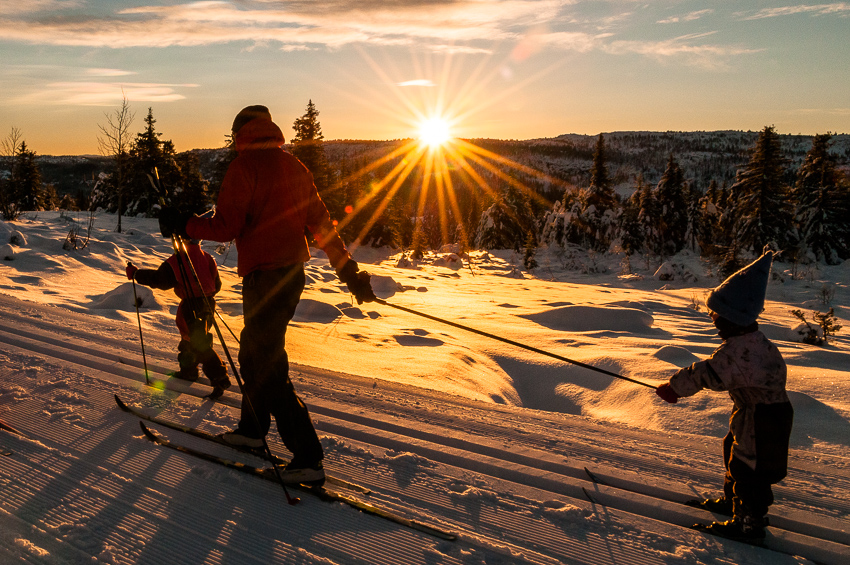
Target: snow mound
point(17, 238)
point(451, 261)
point(314, 311)
point(593, 318)
point(7, 252)
point(676, 355)
point(123, 299)
point(385, 286)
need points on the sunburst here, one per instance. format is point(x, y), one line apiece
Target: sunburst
point(434, 132)
point(433, 153)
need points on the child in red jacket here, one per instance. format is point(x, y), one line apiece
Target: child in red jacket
point(194, 313)
point(751, 369)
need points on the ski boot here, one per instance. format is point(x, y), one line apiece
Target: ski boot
point(187, 373)
point(749, 529)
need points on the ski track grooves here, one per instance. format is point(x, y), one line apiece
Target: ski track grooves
point(516, 451)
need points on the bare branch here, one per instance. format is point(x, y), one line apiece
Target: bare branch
point(11, 143)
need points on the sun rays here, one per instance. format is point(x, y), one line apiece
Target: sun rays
point(433, 165)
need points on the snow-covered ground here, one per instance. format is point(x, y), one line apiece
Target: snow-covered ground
point(449, 427)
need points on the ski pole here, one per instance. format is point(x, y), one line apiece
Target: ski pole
point(141, 339)
point(182, 258)
point(514, 343)
point(220, 317)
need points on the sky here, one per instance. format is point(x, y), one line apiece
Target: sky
point(375, 69)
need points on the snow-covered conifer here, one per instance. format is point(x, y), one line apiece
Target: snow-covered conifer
point(821, 198)
point(760, 196)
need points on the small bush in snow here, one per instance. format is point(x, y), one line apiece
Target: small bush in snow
point(816, 334)
point(7, 253)
point(827, 293)
point(670, 271)
point(697, 301)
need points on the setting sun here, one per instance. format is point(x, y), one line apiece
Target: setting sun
point(434, 132)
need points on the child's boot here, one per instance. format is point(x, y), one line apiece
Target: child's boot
point(187, 373)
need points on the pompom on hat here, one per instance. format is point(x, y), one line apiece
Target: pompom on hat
point(248, 114)
point(740, 298)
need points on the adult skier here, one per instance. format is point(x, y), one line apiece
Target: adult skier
point(266, 202)
point(751, 369)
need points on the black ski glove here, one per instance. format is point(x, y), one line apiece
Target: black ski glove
point(173, 222)
point(358, 282)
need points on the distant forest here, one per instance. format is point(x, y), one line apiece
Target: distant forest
point(723, 195)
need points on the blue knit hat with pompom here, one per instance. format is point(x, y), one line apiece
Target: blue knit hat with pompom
point(740, 298)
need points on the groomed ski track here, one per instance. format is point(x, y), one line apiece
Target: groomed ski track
point(509, 481)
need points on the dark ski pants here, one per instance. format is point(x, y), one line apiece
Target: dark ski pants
point(194, 320)
point(269, 299)
point(750, 489)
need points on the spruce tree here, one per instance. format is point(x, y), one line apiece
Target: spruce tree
point(761, 197)
point(649, 218)
point(708, 219)
point(821, 214)
point(149, 152)
point(192, 192)
point(595, 223)
point(308, 146)
point(672, 209)
point(601, 193)
point(631, 231)
point(26, 187)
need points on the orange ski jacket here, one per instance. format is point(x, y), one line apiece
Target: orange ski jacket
point(267, 199)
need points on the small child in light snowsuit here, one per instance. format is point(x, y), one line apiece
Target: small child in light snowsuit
point(751, 369)
point(194, 316)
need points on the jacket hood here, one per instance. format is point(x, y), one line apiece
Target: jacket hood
point(259, 133)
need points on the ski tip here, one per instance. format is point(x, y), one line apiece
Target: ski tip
point(11, 429)
point(145, 430)
point(120, 403)
point(593, 477)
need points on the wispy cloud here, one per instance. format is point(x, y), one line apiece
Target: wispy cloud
point(457, 26)
point(692, 16)
point(840, 8)
point(30, 6)
point(575, 41)
point(825, 111)
point(417, 82)
point(299, 23)
point(108, 72)
point(104, 93)
point(713, 57)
